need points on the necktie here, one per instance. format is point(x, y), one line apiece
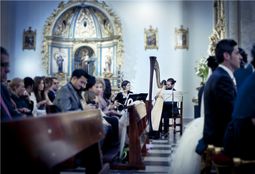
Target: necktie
point(3, 105)
point(234, 82)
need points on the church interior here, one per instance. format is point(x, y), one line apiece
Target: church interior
point(117, 40)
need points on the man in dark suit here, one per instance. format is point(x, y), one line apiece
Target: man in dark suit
point(241, 73)
point(219, 95)
point(237, 140)
point(244, 105)
point(53, 89)
point(8, 112)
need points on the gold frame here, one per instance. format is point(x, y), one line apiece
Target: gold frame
point(181, 38)
point(29, 39)
point(151, 38)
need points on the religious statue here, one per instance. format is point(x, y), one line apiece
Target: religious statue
point(108, 64)
point(59, 60)
point(108, 61)
point(84, 59)
point(87, 62)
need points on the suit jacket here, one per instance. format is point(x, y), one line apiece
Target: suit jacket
point(51, 95)
point(68, 99)
point(238, 139)
point(219, 96)
point(241, 74)
point(244, 106)
point(7, 100)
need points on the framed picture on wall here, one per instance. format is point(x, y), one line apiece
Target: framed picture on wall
point(151, 38)
point(29, 39)
point(181, 38)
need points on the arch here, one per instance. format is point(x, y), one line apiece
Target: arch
point(83, 25)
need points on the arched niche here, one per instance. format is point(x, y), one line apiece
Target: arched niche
point(83, 34)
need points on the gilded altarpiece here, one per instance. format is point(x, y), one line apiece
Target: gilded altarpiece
point(83, 34)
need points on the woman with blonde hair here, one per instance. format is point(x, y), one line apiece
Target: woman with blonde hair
point(19, 96)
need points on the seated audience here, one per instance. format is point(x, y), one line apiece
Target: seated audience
point(38, 97)
point(122, 96)
point(113, 136)
point(69, 97)
point(105, 104)
point(48, 82)
point(8, 111)
point(29, 86)
point(89, 93)
point(19, 96)
point(53, 88)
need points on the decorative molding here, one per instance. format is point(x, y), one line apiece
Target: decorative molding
point(219, 31)
point(115, 38)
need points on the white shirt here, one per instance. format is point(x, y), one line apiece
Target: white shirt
point(230, 73)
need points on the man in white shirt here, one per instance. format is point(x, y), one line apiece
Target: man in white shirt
point(170, 108)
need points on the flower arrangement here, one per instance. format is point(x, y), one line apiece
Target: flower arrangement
point(202, 70)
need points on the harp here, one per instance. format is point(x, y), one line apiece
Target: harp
point(154, 66)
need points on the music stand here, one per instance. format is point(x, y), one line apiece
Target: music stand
point(134, 97)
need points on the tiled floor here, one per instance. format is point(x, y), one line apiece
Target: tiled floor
point(157, 160)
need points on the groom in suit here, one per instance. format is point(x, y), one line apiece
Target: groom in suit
point(219, 95)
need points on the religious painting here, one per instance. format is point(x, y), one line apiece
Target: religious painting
point(29, 39)
point(59, 61)
point(151, 38)
point(181, 38)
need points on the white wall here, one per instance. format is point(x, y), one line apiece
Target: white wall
point(166, 16)
point(240, 19)
point(8, 26)
point(135, 17)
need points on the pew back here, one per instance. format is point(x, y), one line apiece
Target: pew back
point(39, 144)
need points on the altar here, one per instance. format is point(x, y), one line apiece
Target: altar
point(83, 34)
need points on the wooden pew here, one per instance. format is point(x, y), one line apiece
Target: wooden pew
point(41, 144)
point(136, 129)
point(216, 159)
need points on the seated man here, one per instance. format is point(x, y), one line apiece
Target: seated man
point(69, 97)
point(8, 111)
point(170, 108)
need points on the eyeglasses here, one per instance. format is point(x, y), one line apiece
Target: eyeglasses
point(4, 64)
